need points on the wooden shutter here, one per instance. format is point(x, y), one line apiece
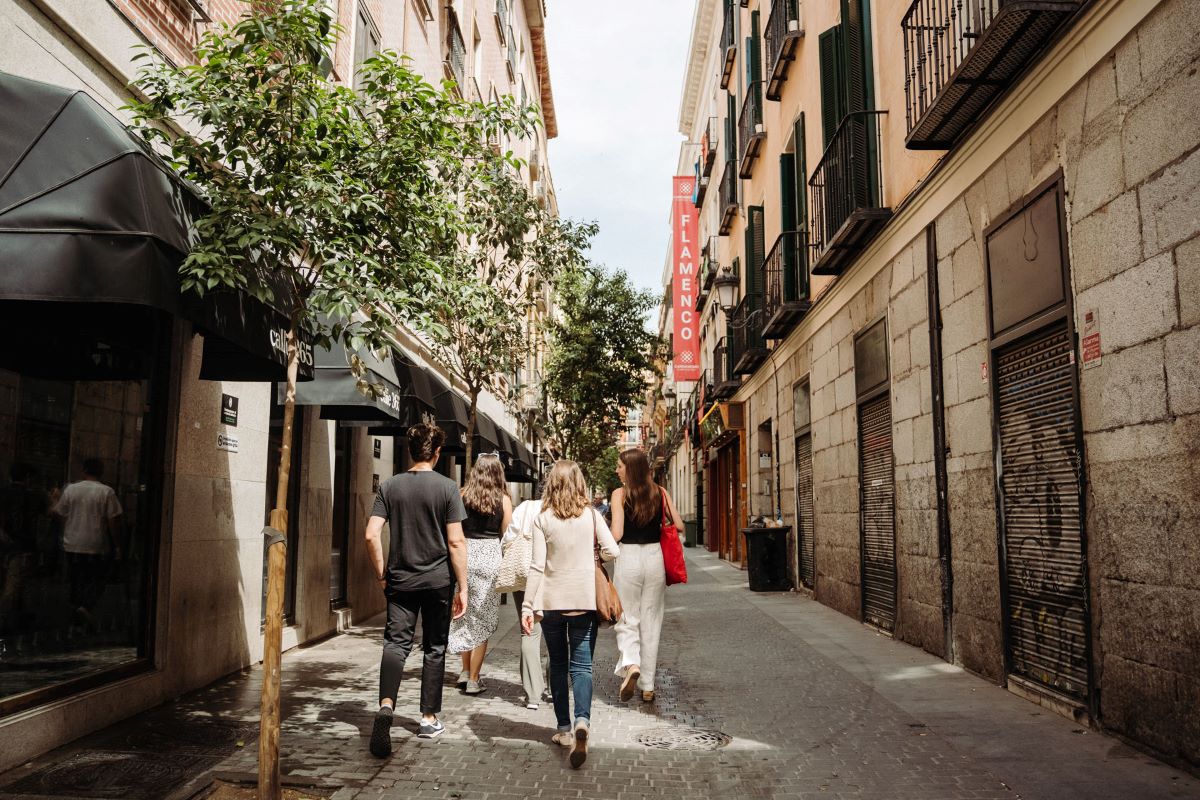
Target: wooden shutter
point(801, 209)
point(787, 194)
point(754, 52)
point(833, 91)
point(854, 59)
point(730, 128)
point(755, 251)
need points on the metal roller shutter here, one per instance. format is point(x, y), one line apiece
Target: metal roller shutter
point(804, 509)
point(1043, 543)
point(878, 528)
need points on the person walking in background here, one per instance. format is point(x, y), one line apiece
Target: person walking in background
point(561, 593)
point(531, 664)
point(91, 536)
point(427, 560)
point(639, 509)
point(489, 511)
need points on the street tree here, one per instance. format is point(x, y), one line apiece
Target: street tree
point(600, 362)
point(339, 208)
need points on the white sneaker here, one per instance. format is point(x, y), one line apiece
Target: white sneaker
point(580, 746)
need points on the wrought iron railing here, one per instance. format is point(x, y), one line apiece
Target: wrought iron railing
point(847, 179)
point(728, 45)
point(722, 367)
point(750, 127)
point(938, 36)
point(728, 195)
point(708, 146)
point(783, 26)
point(785, 271)
point(708, 262)
point(456, 54)
point(746, 326)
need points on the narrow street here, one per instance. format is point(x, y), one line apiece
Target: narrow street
point(813, 705)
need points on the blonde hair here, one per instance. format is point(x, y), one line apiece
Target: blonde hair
point(486, 487)
point(566, 493)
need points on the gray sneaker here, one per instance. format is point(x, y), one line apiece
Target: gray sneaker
point(474, 687)
point(431, 730)
point(463, 677)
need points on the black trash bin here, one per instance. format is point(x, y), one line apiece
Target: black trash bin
point(766, 559)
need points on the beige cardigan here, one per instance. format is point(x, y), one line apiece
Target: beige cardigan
point(562, 574)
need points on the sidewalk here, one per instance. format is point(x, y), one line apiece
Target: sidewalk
point(814, 705)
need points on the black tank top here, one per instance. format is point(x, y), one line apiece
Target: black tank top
point(650, 533)
point(478, 525)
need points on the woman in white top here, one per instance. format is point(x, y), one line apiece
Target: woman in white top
point(532, 664)
point(561, 592)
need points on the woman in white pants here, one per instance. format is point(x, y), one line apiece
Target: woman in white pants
point(639, 509)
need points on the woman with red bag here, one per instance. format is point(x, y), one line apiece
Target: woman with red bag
point(641, 511)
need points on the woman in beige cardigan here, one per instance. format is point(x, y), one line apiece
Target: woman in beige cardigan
point(561, 593)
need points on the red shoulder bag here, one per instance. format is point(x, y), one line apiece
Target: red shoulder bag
point(674, 564)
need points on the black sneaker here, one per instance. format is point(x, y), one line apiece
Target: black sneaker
point(431, 730)
point(381, 733)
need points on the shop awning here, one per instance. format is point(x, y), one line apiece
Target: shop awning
point(89, 215)
point(416, 400)
point(374, 396)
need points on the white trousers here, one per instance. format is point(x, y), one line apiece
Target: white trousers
point(642, 586)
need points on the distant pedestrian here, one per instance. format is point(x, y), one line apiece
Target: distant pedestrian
point(489, 510)
point(639, 509)
point(531, 664)
point(561, 593)
point(427, 560)
point(601, 505)
point(91, 537)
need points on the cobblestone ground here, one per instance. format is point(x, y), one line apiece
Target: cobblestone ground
point(814, 705)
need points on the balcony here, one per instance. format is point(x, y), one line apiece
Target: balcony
point(746, 326)
point(786, 273)
point(700, 192)
point(846, 195)
point(456, 55)
point(701, 297)
point(783, 35)
point(959, 57)
point(708, 146)
point(729, 206)
point(751, 132)
point(728, 46)
point(725, 382)
point(708, 263)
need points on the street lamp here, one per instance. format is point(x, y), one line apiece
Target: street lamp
point(727, 286)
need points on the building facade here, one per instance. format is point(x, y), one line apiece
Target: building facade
point(181, 413)
point(957, 352)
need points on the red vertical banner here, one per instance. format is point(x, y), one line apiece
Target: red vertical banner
point(685, 251)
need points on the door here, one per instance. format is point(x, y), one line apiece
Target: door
point(878, 522)
point(1042, 542)
point(339, 552)
point(805, 543)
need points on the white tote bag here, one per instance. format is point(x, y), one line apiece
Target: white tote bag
point(518, 552)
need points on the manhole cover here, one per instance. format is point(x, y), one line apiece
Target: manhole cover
point(682, 739)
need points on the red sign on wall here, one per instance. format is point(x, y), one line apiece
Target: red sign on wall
point(684, 233)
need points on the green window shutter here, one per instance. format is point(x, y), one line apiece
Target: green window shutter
point(801, 210)
point(787, 193)
point(754, 51)
point(833, 91)
point(755, 252)
point(854, 55)
point(730, 128)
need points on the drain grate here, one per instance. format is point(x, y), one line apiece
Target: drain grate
point(682, 739)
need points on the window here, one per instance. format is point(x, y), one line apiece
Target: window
point(81, 427)
point(366, 41)
point(343, 472)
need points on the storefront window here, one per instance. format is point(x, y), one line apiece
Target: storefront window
point(342, 474)
point(79, 515)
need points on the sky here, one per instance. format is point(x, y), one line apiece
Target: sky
point(616, 67)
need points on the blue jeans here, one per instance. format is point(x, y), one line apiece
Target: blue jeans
point(570, 640)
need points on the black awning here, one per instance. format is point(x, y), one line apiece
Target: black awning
point(89, 214)
point(416, 401)
point(374, 397)
point(487, 435)
point(452, 413)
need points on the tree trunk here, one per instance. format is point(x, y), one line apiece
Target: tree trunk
point(471, 425)
point(268, 739)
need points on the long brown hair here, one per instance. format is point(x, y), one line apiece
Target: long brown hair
point(642, 497)
point(566, 494)
point(486, 488)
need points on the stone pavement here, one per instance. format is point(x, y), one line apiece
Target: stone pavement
point(811, 704)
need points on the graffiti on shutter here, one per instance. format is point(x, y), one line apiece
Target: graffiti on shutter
point(878, 529)
point(805, 542)
point(1043, 548)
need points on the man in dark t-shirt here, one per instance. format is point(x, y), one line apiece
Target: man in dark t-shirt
point(427, 559)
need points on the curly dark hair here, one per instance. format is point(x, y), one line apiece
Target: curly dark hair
point(424, 441)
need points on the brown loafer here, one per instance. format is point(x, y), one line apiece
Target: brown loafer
point(629, 685)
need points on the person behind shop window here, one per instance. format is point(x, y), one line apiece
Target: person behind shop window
point(561, 593)
point(639, 509)
point(425, 575)
point(91, 537)
point(532, 664)
point(489, 511)
point(24, 510)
